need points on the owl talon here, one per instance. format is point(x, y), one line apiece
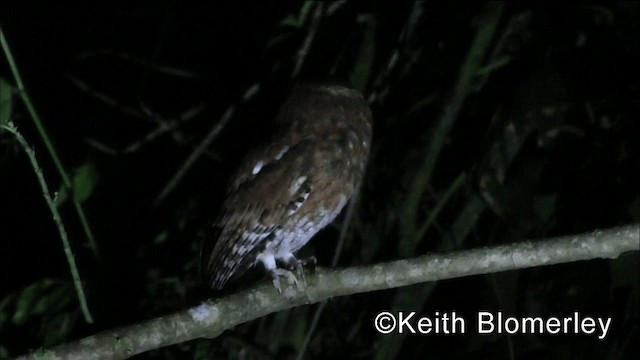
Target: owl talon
point(298, 266)
point(276, 283)
point(310, 263)
point(291, 277)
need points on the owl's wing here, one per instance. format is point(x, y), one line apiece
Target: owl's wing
point(264, 194)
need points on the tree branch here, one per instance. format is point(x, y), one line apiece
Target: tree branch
point(213, 317)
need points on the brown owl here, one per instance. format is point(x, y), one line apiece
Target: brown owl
point(289, 189)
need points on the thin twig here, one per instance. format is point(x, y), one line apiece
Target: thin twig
point(10, 127)
point(168, 70)
point(201, 148)
point(422, 175)
point(47, 142)
point(378, 92)
point(306, 45)
point(164, 127)
point(433, 215)
point(106, 98)
point(213, 133)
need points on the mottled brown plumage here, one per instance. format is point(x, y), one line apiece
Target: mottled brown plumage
point(286, 191)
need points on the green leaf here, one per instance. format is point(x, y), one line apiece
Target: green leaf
point(39, 300)
point(85, 179)
point(4, 309)
point(6, 95)
point(28, 298)
point(298, 21)
point(60, 196)
point(161, 238)
point(55, 300)
point(275, 40)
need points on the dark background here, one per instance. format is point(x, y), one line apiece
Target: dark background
point(544, 144)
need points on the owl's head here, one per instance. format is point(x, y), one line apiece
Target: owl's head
point(328, 104)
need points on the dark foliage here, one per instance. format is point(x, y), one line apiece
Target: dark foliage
point(542, 141)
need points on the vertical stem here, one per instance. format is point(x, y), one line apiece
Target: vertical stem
point(58, 220)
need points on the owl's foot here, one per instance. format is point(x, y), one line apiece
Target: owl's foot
point(293, 271)
point(297, 266)
point(309, 263)
point(293, 279)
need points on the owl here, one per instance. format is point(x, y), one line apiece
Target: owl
point(286, 191)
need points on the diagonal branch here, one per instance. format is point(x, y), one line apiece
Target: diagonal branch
point(211, 318)
point(71, 260)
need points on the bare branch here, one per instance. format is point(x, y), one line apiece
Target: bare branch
point(66, 246)
point(213, 317)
